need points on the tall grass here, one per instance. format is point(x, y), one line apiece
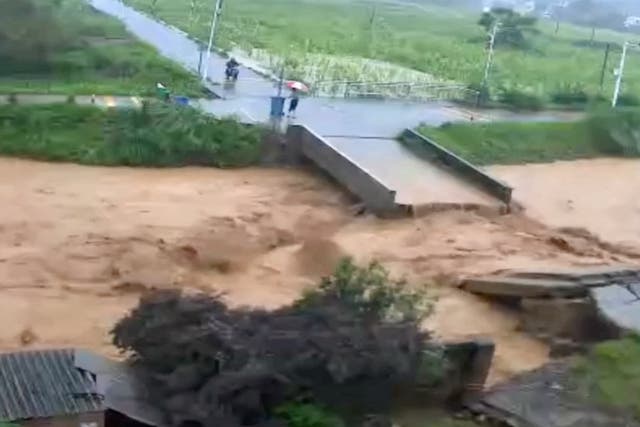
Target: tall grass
point(157, 135)
point(603, 133)
point(440, 42)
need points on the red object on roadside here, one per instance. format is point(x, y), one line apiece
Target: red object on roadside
point(298, 86)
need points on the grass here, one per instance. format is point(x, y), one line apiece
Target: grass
point(606, 133)
point(441, 42)
point(513, 143)
point(428, 417)
point(102, 58)
point(610, 375)
point(157, 135)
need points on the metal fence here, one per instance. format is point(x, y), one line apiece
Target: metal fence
point(393, 90)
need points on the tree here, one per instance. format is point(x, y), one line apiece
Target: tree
point(513, 26)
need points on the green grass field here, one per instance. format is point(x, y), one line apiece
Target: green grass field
point(444, 43)
point(605, 133)
point(95, 55)
point(158, 135)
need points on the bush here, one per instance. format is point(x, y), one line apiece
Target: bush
point(520, 100)
point(371, 293)
point(570, 95)
point(616, 132)
point(168, 135)
point(628, 100)
point(156, 135)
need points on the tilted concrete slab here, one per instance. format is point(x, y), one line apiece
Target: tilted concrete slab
point(613, 292)
point(585, 275)
point(500, 286)
point(570, 282)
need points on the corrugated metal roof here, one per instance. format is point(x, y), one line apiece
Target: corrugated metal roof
point(37, 384)
point(123, 388)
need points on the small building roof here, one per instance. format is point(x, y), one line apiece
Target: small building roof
point(39, 384)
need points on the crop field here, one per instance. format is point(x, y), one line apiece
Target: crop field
point(441, 44)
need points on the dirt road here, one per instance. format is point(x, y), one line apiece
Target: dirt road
point(78, 245)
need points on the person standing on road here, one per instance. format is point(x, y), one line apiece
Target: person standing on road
point(293, 102)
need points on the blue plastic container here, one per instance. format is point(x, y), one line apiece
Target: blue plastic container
point(181, 100)
point(277, 106)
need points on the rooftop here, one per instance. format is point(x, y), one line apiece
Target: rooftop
point(39, 384)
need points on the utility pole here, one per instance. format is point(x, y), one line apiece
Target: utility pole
point(200, 57)
point(214, 21)
point(492, 43)
point(616, 91)
point(604, 65)
point(372, 24)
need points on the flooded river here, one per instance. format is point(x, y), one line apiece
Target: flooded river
point(78, 245)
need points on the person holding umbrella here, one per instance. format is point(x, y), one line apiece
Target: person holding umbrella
point(294, 98)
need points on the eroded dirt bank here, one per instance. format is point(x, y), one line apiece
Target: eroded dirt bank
point(79, 244)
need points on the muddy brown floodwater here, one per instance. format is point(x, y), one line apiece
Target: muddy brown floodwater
point(78, 245)
point(599, 195)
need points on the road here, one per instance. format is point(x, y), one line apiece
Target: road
point(98, 100)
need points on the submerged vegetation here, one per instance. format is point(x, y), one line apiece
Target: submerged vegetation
point(156, 135)
point(609, 133)
point(64, 46)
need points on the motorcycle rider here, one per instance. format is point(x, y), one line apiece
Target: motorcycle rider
point(232, 68)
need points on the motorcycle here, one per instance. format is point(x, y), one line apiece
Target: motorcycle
point(231, 73)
